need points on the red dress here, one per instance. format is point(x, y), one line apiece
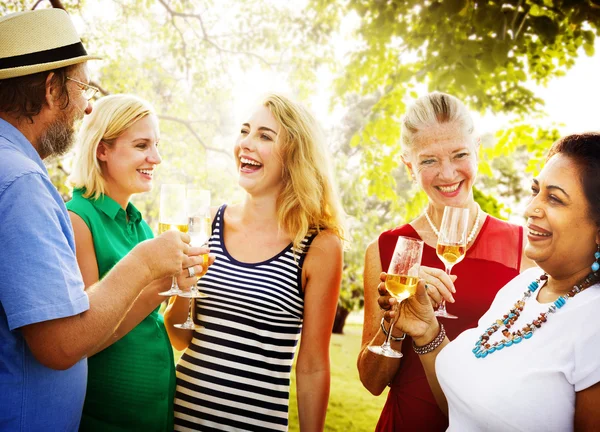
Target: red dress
point(492, 261)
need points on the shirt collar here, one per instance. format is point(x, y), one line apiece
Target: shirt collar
point(112, 208)
point(15, 137)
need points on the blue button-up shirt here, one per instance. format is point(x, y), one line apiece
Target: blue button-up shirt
point(39, 281)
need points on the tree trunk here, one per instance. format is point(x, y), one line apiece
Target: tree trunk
point(340, 320)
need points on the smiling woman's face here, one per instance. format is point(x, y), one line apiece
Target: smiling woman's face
point(561, 232)
point(257, 153)
point(443, 159)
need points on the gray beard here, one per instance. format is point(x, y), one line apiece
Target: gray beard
point(57, 139)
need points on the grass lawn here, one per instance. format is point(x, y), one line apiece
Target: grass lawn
point(351, 406)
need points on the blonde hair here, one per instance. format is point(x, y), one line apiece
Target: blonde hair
point(308, 201)
point(111, 116)
point(433, 109)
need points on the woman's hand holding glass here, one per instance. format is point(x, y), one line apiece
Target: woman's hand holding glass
point(413, 316)
point(195, 261)
point(401, 282)
point(439, 284)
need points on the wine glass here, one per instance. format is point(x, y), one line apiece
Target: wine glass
point(198, 210)
point(172, 215)
point(452, 244)
point(401, 282)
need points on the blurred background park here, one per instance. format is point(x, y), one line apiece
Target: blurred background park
point(526, 68)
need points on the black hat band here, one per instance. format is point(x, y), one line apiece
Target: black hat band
point(48, 56)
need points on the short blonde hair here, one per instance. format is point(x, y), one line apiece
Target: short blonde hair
point(308, 201)
point(430, 110)
point(111, 116)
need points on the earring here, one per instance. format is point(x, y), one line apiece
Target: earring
point(596, 264)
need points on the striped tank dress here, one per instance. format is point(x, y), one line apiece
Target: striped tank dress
point(235, 374)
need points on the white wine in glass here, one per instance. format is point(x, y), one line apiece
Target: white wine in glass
point(172, 215)
point(401, 286)
point(452, 245)
point(401, 282)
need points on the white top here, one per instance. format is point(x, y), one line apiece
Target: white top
point(529, 386)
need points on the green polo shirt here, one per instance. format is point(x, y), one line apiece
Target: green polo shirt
point(131, 384)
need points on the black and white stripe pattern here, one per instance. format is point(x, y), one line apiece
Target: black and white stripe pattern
point(235, 375)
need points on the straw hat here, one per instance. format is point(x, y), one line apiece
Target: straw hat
point(38, 41)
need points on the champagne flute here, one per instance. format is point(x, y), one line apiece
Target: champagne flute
point(401, 282)
point(452, 244)
point(172, 215)
point(198, 210)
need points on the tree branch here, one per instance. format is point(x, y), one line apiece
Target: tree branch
point(191, 129)
point(522, 24)
point(205, 36)
point(514, 20)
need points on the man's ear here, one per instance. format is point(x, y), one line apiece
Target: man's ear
point(51, 91)
point(101, 151)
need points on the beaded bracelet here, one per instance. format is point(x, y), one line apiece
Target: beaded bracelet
point(431, 346)
point(394, 338)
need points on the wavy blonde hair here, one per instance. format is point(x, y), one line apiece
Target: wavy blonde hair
point(111, 116)
point(308, 201)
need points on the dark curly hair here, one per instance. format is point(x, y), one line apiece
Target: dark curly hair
point(584, 149)
point(25, 96)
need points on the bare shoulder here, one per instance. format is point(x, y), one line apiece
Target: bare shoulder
point(326, 241)
point(79, 225)
point(372, 252)
point(232, 213)
point(324, 256)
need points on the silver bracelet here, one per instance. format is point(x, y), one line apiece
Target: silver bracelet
point(385, 332)
point(431, 346)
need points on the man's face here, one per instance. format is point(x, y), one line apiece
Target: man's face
point(59, 136)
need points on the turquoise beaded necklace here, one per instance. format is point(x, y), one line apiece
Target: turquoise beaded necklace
point(483, 347)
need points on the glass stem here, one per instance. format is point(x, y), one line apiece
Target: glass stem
point(442, 306)
point(190, 310)
point(387, 344)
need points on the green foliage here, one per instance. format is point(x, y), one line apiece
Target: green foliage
point(481, 51)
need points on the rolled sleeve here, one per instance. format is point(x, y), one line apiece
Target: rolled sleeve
point(39, 275)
